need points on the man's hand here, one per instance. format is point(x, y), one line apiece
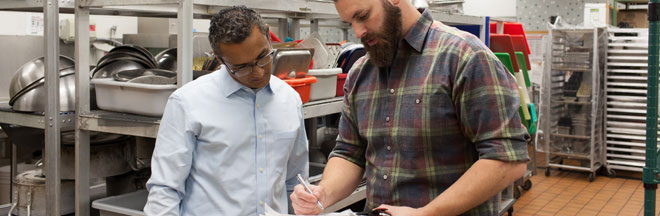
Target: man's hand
point(401, 210)
point(305, 203)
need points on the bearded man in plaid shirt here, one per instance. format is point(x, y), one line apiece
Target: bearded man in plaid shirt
point(430, 118)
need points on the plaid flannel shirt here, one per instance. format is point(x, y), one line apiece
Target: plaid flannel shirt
point(417, 126)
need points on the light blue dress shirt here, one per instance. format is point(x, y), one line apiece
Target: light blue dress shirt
point(223, 149)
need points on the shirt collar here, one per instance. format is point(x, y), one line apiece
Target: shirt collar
point(229, 86)
point(416, 36)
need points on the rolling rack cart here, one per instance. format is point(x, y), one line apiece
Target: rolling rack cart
point(572, 115)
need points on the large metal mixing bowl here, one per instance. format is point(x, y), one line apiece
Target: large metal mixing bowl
point(34, 100)
point(132, 75)
point(123, 54)
point(32, 72)
point(166, 59)
point(106, 71)
point(136, 49)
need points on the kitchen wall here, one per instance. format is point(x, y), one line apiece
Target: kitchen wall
point(535, 14)
point(492, 8)
point(23, 23)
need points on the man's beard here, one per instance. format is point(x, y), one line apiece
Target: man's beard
point(382, 53)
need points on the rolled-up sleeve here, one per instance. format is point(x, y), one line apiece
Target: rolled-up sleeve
point(487, 100)
point(171, 161)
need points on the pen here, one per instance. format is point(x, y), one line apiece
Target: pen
point(306, 185)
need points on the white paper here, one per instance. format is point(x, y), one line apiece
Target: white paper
point(271, 212)
point(35, 22)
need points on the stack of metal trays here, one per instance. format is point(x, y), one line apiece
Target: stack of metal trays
point(626, 89)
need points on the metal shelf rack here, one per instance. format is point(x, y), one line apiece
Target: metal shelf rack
point(145, 126)
point(625, 91)
point(51, 119)
point(572, 97)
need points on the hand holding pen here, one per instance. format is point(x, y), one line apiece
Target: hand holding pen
point(307, 199)
point(309, 190)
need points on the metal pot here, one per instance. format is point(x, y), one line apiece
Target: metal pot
point(30, 195)
point(104, 159)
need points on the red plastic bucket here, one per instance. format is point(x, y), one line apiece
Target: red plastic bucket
point(303, 86)
point(341, 79)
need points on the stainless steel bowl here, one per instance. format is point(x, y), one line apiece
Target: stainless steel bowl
point(63, 72)
point(106, 71)
point(135, 49)
point(34, 100)
point(32, 72)
point(123, 54)
point(147, 76)
point(166, 59)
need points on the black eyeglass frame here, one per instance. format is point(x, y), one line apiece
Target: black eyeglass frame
point(240, 72)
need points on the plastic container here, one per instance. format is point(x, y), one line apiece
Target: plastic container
point(505, 58)
point(341, 79)
point(511, 28)
point(303, 86)
point(322, 56)
point(136, 98)
point(326, 82)
point(502, 43)
point(125, 204)
point(520, 45)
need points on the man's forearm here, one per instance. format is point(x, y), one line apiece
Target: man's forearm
point(340, 178)
point(482, 181)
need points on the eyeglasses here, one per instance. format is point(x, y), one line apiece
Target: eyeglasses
point(247, 68)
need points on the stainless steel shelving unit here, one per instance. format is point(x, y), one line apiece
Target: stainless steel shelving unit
point(184, 11)
point(625, 92)
point(51, 119)
point(145, 126)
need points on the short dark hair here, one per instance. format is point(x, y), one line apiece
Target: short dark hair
point(233, 25)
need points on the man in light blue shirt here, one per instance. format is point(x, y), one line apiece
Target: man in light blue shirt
point(232, 141)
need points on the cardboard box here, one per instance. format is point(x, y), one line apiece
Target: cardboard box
point(632, 19)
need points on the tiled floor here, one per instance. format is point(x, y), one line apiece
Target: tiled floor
point(571, 193)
